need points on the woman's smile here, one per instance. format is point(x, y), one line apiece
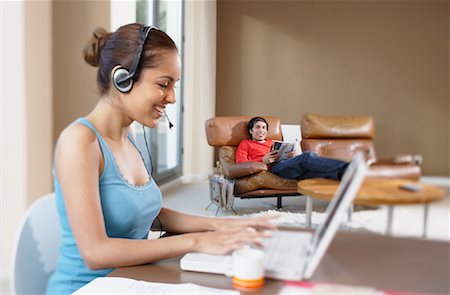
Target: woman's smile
point(159, 110)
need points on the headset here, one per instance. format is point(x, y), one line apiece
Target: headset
point(123, 82)
point(123, 78)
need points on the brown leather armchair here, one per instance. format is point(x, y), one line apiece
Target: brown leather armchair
point(252, 180)
point(341, 136)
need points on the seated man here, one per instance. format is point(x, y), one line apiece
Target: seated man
point(297, 166)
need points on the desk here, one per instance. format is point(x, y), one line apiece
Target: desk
point(373, 191)
point(358, 259)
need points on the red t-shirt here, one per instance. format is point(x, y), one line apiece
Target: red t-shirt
point(252, 150)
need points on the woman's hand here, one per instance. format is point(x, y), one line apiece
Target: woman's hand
point(257, 223)
point(233, 233)
point(270, 157)
point(223, 242)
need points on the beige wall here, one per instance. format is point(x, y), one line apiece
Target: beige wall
point(388, 59)
point(199, 79)
point(74, 87)
point(39, 99)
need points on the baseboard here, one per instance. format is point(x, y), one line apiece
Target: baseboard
point(4, 281)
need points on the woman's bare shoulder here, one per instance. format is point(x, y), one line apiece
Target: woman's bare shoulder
point(77, 137)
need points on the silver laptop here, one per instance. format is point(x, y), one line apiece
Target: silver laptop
point(294, 255)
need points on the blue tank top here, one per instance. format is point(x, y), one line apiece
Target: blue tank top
point(128, 212)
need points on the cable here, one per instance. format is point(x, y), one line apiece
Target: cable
point(148, 151)
point(160, 226)
point(151, 173)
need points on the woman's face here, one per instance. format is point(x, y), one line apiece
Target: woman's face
point(155, 89)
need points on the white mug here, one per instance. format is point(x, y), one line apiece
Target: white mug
point(247, 268)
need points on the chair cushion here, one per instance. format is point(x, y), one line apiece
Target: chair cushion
point(263, 180)
point(403, 171)
point(324, 126)
point(342, 149)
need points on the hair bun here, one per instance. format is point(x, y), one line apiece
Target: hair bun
point(94, 46)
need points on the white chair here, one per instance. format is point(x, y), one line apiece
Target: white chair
point(36, 247)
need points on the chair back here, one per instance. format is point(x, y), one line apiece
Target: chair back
point(36, 247)
point(231, 130)
point(338, 137)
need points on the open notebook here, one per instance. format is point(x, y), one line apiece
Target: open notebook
point(294, 255)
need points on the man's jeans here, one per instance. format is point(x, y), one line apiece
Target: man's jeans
point(309, 165)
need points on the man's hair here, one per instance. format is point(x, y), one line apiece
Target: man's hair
point(255, 120)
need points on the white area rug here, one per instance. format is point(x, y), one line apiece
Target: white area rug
point(193, 198)
point(407, 221)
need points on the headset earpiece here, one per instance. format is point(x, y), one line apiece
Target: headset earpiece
point(118, 75)
point(123, 78)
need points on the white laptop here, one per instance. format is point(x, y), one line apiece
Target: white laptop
point(294, 255)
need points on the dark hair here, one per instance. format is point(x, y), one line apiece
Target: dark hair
point(254, 120)
point(107, 50)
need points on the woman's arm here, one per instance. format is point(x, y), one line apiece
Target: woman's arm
point(78, 162)
point(177, 222)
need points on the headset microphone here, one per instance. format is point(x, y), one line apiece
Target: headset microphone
point(168, 120)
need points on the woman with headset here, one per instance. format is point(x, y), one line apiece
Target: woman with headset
point(106, 198)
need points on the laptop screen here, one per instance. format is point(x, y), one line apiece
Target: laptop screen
point(346, 192)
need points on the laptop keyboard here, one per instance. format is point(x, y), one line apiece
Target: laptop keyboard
point(286, 250)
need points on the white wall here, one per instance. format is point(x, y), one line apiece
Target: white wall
point(13, 126)
point(199, 87)
point(26, 121)
point(122, 13)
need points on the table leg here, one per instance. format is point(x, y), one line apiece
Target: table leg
point(209, 206)
point(425, 220)
point(308, 211)
point(390, 217)
point(350, 213)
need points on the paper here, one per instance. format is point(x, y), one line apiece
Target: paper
point(284, 148)
point(118, 285)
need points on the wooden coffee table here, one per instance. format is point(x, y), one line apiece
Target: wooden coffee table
point(374, 191)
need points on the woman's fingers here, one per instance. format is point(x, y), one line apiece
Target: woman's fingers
point(250, 236)
point(259, 223)
point(264, 222)
point(223, 242)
